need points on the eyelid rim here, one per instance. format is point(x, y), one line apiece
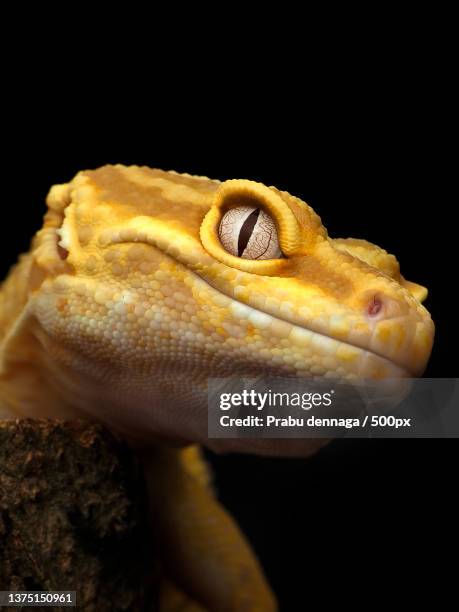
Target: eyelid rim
point(286, 223)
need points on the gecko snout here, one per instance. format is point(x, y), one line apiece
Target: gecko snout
point(401, 330)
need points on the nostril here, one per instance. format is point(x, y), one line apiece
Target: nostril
point(375, 306)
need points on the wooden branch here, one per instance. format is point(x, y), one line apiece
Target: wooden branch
point(73, 516)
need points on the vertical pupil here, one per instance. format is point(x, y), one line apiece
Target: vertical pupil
point(246, 231)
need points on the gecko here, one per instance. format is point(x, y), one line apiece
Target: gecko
point(141, 285)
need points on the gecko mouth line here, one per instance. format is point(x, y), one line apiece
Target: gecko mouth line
point(327, 338)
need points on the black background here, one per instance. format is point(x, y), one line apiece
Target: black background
point(370, 154)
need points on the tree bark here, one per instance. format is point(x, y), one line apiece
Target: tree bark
point(73, 516)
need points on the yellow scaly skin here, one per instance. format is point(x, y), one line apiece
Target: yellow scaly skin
point(140, 304)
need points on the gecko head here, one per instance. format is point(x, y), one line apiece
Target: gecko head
point(171, 279)
point(338, 307)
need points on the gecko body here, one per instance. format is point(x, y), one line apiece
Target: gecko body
point(142, 284)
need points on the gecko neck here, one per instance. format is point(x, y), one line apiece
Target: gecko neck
point(42, 378)
point(14, 293)
point(26, 380)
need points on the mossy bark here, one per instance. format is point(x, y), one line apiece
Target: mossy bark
point(73, 516)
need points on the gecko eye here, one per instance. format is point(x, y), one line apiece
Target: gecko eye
point(249, 232)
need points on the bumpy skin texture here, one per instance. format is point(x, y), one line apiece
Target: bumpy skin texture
point(140, 304)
